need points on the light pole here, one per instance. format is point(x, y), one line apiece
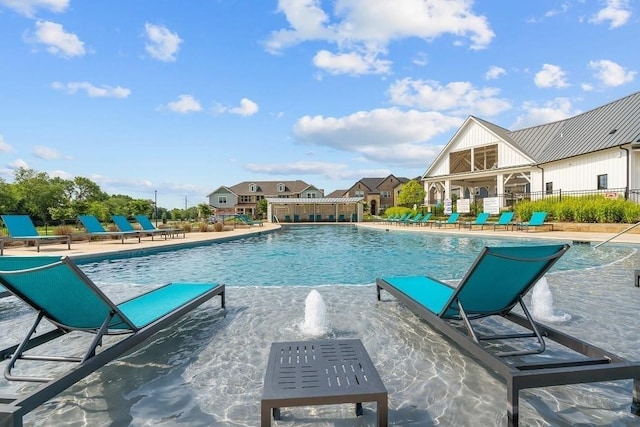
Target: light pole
point(155, 205)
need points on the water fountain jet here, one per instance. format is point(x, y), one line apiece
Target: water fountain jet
point(314, 315)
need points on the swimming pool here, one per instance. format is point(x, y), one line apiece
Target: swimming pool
point(207, 369)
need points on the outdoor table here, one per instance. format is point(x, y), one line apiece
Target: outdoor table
point(321, 372)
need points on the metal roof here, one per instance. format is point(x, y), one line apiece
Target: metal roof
point(608, 126)
point(316, 200)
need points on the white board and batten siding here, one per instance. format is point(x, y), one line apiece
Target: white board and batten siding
point(581, 173)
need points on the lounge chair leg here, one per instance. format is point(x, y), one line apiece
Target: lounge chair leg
point(276, 413)
point(512, 404)
point(359, 410)
point(635, 404)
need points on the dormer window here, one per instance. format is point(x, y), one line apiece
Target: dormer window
point(281, 188)
point(253, 188)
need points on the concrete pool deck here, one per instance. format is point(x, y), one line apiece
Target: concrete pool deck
point(84, 248)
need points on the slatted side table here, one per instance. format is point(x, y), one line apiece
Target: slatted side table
point(321, 372)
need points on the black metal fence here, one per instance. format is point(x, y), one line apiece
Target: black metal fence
point(510, 200)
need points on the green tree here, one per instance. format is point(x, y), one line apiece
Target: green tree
point(8, 197)
point(412, 193)
point(204, 210)
point(37, 193)
point(261, 207)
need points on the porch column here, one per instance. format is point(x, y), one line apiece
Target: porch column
point(500, 189)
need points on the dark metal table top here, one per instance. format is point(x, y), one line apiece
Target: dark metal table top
point(321, 368)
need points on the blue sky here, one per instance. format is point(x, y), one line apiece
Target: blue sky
point(183, 97)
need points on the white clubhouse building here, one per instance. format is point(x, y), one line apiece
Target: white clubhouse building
point(596, 151)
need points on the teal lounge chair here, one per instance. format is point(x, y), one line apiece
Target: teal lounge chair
point(64, 296)
point(124, 225)
point(147, 225)
point(536, 221)
point(426, 219)
point(248, 221)
point(415, 219)
point(496, 283)
point(504, 221)
point(481, 221)
point(95, 229)
point(453, 220)
point(21, 228)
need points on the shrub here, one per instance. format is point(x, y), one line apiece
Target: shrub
point(203, 227)
point(186, 226)
point(591, 209)
point(218, 226)
point(63, 230)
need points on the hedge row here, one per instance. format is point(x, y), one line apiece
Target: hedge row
point(582, 209)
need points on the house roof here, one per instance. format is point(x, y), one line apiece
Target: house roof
point(270, 187)
point(316, 200)
point(336, 193)
point(608, 126)
point(611, 125)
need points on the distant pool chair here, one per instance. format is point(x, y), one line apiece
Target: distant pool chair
point(536, 221)
point(95, 229)
point(504, 221)
point(452, 220)
point(496, 283)
point(64, 296)
point(124, 225)
point(147, 225)
point(480, 221)
point(20, 228)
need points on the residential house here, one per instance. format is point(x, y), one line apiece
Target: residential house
point(242, 198)
point(378, 193)
point(598, 151)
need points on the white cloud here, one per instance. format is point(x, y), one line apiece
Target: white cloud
point(29, 7)
point(389, 135)
point(43, 152)
point(58, 41)
point(161, 44)
point(350, 63)
point(551, 76)
point(247, 108)
point(17, 164)
point(333, 171)
point(456, 97)
point(617, 13)
point(185, 104)
point(91, 90)
point(4, 147)
point(551, 111)
point(494, 72)
point(610, 73)
point(368, 27)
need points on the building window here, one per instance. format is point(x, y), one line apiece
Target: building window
point(359, 193)
point(245, 199)
point(385, 194)
point(549, 187)
point(252, 188)
point(281, 188)
point(602, 182)
point(222, 200)
point(311, 195)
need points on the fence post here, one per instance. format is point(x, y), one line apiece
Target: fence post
point(560, 193)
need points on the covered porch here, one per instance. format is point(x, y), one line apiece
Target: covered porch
point(325, 209)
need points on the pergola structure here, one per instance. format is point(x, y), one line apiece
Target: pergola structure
point(322, 209)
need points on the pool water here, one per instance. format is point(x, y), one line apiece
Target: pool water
point(207, 369)
point(327, 255)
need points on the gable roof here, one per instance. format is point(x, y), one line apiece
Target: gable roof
point(270, 187)
point(611, 125)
